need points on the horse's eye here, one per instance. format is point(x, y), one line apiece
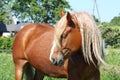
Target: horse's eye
point(63, 36)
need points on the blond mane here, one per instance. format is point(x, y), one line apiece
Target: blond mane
point(59, 28)
point(90, 35)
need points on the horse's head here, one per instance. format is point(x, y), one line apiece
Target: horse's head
point(67, 39)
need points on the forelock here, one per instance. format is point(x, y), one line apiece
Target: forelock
point(60, 27)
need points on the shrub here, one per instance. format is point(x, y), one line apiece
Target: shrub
point(6, 43)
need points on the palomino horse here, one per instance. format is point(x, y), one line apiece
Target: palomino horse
point(78, 40)
point(32, 47)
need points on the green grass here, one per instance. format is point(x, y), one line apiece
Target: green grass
point(6, 67)
point(111, 72)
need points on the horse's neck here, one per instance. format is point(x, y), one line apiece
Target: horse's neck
point(78, 66)
point(77, 57)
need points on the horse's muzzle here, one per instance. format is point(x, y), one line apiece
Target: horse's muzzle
point(58, 60)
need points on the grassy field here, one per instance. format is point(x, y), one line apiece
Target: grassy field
point(111, 72)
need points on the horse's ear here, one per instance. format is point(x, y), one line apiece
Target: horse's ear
point(62, 13)
point(70, 22)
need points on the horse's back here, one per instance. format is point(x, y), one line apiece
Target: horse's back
point(27, 34)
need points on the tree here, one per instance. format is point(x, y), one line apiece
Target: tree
point(115, 21)
point(39, 10)
point(96, 19)
point(5, 8)
point(111, 34)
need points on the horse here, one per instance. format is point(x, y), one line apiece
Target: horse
point(31, 49)
point(77, 39)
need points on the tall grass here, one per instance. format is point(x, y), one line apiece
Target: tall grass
point(111, 72)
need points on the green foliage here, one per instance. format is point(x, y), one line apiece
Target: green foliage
point(6, 43)
point(96, 19)
point(111, 34)
point(39, 10)
point(5, 8)
point(32, 10)
point(116, 21)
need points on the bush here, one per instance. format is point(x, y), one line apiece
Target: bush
point(111, 35)
point(6, 43)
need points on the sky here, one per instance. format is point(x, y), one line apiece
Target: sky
point(108, 9)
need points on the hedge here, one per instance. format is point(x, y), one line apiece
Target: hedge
point(6, 43)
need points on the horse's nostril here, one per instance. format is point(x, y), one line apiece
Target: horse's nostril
point(53, 60)
point(57, 62)
point(61, 62)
